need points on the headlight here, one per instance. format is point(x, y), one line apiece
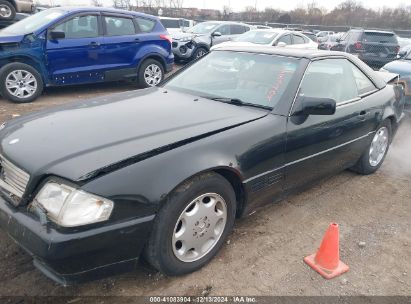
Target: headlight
point(186, 39)
point(70, 207)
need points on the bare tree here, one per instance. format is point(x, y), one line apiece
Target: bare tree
point(97, 3)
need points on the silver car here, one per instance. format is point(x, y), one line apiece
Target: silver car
point(198, 40)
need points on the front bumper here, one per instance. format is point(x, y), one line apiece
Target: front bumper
point(183, 49)
point(75, 256)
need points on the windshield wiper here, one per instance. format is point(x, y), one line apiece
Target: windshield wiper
point(239, 102)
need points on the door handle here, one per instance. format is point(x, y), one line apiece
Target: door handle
point(137, 40)
point(363, 115)
point(94, 44)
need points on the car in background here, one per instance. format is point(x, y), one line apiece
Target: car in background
point(175, 25)
point(402, 67)
point(198, 40)
point(374, 47)
point(328, 42)
point(323, 34)
point(9, 8)
point(261, 27)
point(89, 188)
point(65, 46)
point(310, 35)
point(272, 37)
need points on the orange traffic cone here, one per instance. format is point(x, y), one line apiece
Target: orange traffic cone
point(327, 259)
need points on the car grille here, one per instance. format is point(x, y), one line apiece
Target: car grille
point(13, 179)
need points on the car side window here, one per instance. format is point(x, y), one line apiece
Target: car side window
point(298, 39)
point(224, 29)
point(329, 78)
point(119, 26)
point(237, 29)
point(364, 84)
point(145, 25)
point(84, 26)
point(286, 39)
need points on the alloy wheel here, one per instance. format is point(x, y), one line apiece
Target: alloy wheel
point(5, 11)
point(21, 83)
point(153, 75)
point(199, 227)
point(379, 146)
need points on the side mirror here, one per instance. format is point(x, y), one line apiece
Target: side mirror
point(216, 34)
point(281, 44)
point(316, 106)
point(55, 35)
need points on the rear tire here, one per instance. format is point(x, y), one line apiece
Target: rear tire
point(7, 10)
point(374, 156)
point(150, 73)
point(184, 239)
point(20, 82)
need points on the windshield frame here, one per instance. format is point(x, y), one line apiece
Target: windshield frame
point(282, 107)
point(39, 28)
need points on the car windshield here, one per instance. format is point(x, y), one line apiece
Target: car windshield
point(34, 22)
point(257, 37)
point(170, 23)
point(203, 28)
point(256, 79)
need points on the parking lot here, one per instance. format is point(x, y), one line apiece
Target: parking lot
point(264, 255)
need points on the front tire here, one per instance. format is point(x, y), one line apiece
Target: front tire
point(200, 52)
point(150, 74)
point(7, 10)
point(20, 82)
point(374, 156)
point(192, 226)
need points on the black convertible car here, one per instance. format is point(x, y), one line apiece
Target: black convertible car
point(88, 188)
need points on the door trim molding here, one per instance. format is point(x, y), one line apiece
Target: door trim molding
point(308, 157)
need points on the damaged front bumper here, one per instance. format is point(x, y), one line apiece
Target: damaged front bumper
point(80, 255)
point(183, 49)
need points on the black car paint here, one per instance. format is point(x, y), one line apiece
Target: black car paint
point(262, 153)
point(375, 54)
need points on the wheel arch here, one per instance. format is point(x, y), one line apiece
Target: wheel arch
point(29, 61)
point(154, 56)
point(231, 175)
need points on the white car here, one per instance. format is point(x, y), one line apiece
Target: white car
point(176, 25)
point(272, 37)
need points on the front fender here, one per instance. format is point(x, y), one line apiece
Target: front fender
point(245, 151)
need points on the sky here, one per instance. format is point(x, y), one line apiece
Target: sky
point(238, 5)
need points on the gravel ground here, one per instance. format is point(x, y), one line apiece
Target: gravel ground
point(264, 255)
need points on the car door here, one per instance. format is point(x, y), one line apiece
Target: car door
point(121, 44)
point(78, 57)
point(225, 31)
point(320, 145)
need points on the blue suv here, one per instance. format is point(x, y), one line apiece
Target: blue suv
point(65, 46)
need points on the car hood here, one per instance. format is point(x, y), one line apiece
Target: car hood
point(181, 35)
point(401, 67)
point(75, 141)
point(10, 38)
